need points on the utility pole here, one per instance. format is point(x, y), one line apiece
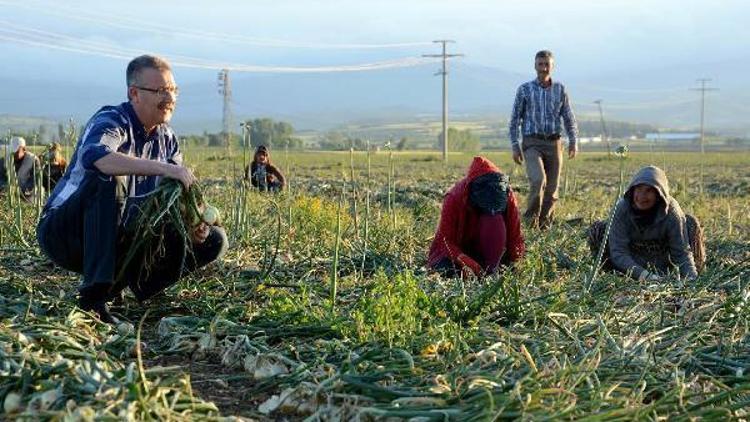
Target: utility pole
point(245, 143)
point(444, 72)
point(225, 89)
point(605, 136)
point(703, 90)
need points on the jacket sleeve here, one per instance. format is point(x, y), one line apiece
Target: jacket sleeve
point(448, 234)
point(102, 136)
point(679, 246)
point(277, 173)
point(174, 155)
point(516, 246)
point(619, 240)
point(27, 173)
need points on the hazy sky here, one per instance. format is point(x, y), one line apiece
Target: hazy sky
point(588, 37)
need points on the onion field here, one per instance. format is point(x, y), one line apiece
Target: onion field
point(322, 308)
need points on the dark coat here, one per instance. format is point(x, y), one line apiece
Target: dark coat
point(273, 175)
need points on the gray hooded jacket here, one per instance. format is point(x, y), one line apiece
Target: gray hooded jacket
point(667, 231)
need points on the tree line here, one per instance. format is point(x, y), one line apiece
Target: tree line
point(281, 134)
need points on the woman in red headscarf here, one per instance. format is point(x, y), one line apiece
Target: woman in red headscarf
point(480, 227)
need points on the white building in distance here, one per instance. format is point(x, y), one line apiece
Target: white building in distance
point(672, 136)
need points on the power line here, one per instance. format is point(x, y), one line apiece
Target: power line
point(28, 34)
point(139, 25)
point(703, 90)
point(444, 72)
point(515, 75)
point(50, 40)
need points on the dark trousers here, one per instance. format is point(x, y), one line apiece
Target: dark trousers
point(274, 186)
point(154, 268)
point(83, 235)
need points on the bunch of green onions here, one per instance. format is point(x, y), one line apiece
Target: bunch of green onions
point(169, 205)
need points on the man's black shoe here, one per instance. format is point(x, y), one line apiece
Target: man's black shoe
point(99, 307)
point(117, 299)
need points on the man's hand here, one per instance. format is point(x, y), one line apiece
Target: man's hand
point(572, 151)
point(183, 174)
point(200, 233)
point(517, 156)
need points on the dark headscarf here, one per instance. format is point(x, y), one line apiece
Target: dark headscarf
point(261, 148)
point(489, 193)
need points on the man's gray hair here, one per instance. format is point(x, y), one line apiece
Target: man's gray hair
point(544, 54)
point(136, 66)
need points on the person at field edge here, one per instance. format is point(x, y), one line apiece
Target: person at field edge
point(54, 166)
point(26, 166)
point(535, 135)
point(4, 175)
point(650, 235)
point(262, 174)
point(120, 157)
point(480, 227)
point(3, 172)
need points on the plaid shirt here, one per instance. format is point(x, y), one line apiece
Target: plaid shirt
point(117, 128)
point(538, 110)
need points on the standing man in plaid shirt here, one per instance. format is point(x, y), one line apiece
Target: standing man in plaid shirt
point(540, 110)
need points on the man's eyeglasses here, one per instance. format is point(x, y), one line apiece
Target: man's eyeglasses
point(162, 92)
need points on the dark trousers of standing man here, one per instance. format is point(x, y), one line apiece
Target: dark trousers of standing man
point(543, 158)
point(83, 235)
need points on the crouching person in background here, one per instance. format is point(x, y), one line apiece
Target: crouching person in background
point(650, 234)
point(54, 167)
point(262, 174)
point(480, 227)
point(3, 168)
point(26, 166)
point(122, 154)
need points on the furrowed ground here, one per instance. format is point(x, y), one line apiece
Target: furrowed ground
point(322, 309)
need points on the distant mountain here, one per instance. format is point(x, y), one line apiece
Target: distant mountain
point(23, 123)
point(27, 124)
point(659, 96)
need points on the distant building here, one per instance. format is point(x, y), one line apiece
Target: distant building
point(672, 136)
point(585, 140)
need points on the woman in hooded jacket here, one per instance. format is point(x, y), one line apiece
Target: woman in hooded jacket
point(650, 235)
point(480, 227)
